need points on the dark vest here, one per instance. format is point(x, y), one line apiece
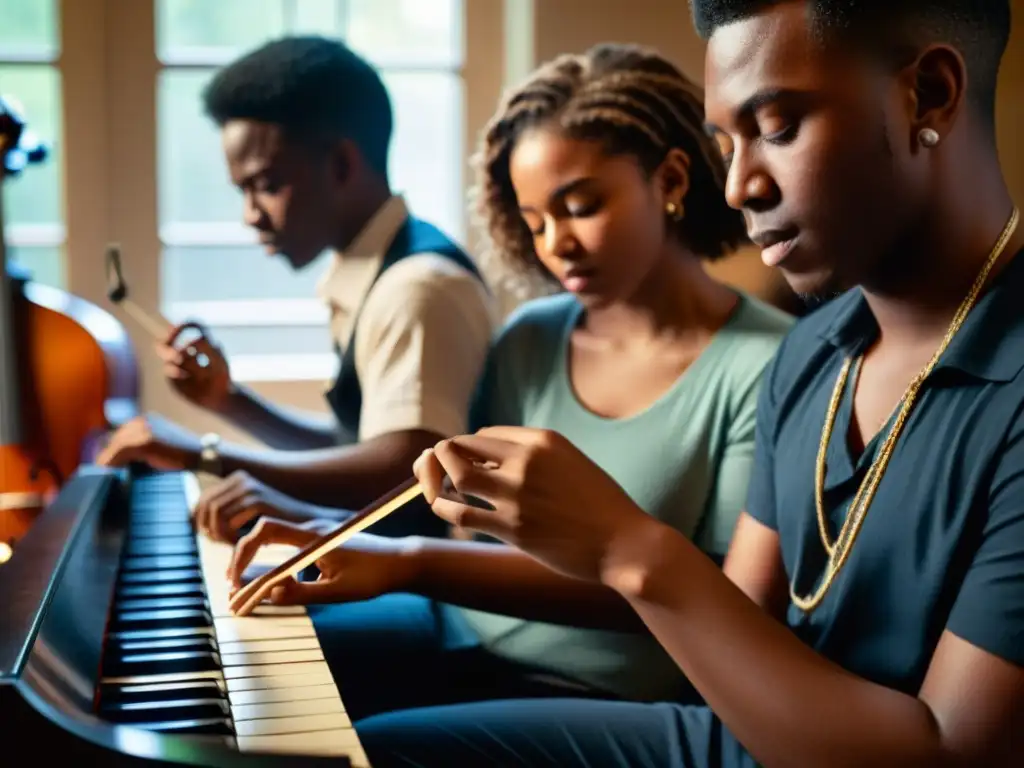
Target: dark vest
point(413, 237)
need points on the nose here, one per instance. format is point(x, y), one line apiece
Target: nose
point(252, 214)
point(749, 185)
point(558, 241)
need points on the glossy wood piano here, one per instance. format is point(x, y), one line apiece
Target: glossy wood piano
point(116, 644)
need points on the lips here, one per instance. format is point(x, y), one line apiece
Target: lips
point(775, 244)
point(577, 280)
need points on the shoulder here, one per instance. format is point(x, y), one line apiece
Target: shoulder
point(541, 320)
point(427, 282)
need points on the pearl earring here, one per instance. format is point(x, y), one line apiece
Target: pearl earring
point(929, 137)
point(674, 210)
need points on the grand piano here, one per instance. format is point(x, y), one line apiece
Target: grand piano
point(116, 645)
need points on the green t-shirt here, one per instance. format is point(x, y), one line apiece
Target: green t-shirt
point(685, 459)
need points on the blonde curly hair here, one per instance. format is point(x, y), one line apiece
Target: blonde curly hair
point(631, 100)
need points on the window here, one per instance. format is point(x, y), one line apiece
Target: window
point(266, 316)
point(30, 79)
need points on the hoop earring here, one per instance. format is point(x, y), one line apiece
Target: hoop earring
point(928, 137)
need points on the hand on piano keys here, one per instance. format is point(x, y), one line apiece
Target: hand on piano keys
point(176, 660)
point(365, 567)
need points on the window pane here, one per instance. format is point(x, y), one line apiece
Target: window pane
point(28, 28)
point(36, 195)
point(193, 183)
point(426, 156)
point(426, 153)
point(323, 17)
point(217, 273)
point(408, 29)
point(187, 28)
point(272, 340)
point(44, 264)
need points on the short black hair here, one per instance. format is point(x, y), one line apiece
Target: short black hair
point(979, 29)
point(314, 87)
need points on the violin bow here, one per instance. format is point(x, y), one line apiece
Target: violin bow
point(253, 593)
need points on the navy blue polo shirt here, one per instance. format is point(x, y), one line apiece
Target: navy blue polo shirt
point(942, 546)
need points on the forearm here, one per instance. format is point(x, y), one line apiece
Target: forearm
point(348, 477)
point(787, 704)
point(278, 427)
point(500, 579)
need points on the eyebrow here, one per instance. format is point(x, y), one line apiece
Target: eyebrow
point(565, 189)
point(756, 102)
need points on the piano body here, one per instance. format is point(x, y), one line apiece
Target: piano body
point(116, 644)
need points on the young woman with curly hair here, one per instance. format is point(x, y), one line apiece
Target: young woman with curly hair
point(595, 174)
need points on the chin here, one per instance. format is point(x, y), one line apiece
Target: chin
point(814, 288)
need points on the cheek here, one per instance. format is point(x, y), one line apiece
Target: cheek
point(627, 230)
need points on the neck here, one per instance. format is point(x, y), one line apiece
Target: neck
point(373, 194)
point(677, 298)
point(939, 262)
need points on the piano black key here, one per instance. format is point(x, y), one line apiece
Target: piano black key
point(162, 577)
point(132, 635)
point(112, 694)
point(160, 663)
point(172, 710)
point(164, 545)
point(158, 563)
point(140, 531)
point(160, 603)
point(169, 619)
point(187, 643)
point(150, 591)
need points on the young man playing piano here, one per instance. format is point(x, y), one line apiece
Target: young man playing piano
point(871, 611)
point(306, 125)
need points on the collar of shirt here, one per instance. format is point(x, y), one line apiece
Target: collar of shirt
point(346, 282)
point(989, 345)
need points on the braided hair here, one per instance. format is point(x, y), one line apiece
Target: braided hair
point(632, 101)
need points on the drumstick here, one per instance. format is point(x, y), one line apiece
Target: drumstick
point(249, 596)
point(117, 292)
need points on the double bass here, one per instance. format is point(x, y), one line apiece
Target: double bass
point(68, 371)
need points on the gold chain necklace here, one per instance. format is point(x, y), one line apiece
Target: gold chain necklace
point(840, 550)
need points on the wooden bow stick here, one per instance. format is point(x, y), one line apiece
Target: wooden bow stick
point(252, 594)
point(117, 292)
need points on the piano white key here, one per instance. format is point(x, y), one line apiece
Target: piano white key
point(298, 708)
point(291, 693)
point(280, 689)
point(337, 742)
point(292, 644)
point(282, 670)
point(320, 677)
point(276, 726)
point(270, 657)
point(246, 628)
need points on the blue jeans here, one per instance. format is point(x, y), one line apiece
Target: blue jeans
point(423, 692)
point(552, 733)
point(402, 651)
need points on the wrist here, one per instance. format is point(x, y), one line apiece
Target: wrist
point(409, 558)
point(233, 401)
point(642, 559)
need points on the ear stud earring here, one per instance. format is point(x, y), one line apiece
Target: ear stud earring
point(928, 137)
point(674, 210)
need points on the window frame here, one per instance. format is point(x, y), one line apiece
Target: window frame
point(109, 66)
